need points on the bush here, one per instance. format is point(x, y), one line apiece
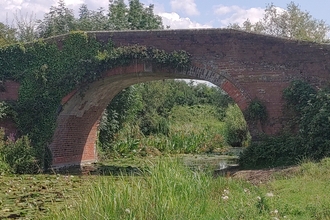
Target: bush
point(256, 111)
point(237, 133)
point(310, 130)
point(18, 155)
point(283, 150)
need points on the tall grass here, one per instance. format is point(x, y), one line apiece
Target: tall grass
point(168, 190)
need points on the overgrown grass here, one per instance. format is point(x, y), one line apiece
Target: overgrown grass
point(169, 190)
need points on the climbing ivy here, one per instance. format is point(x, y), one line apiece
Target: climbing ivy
point(256, 111)
point(47, 73)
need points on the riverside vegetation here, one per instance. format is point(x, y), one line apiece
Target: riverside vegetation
point(166, 189)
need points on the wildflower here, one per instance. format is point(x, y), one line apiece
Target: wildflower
point(225, 198)
point(274, 212)
point(226, 191)
point(270, 194)
point(259, 198)
point(128, 211)
point(246, 190)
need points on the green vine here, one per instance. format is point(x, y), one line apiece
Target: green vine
point(46, 74)
point(256, 111)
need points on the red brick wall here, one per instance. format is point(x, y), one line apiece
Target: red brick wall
point(9, 90)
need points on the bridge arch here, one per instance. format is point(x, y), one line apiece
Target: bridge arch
point(74, 140)
point(247, 66)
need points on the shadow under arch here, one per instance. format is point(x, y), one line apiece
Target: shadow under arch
point(74, 139)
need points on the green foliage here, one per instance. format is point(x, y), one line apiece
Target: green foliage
point(119, 16)
point(315, 125)
point(7, 35)
point(297, 95)
point(59, 20)
point(291, 23)
point(283, 150)
point(4, 109)
point(17, 156)
point(237, 133)
point(90, 20)
point(256, 111)
point(122, 108)
point(25, 27)
point(308, 112)
point(191, 129)
point(149, 106)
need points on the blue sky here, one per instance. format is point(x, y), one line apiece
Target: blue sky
point(176, 13)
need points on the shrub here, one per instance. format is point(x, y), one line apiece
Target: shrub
point(19, 155)
point(256, 111)
point(237, 133)
point(282, 150)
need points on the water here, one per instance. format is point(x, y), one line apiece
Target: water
point(210, 161)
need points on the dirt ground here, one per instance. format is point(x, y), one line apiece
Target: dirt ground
point(258, 177)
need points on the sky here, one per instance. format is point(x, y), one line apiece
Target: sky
point(178, 14)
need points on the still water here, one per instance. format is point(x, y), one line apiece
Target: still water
point(212, 161)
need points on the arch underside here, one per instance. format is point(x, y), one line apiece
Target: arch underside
point(74, 140)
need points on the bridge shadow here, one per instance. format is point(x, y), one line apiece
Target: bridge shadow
point(101, 170)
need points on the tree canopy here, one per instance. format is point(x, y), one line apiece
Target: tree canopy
point(119, 16)
point(291, 23)
point(7, 35)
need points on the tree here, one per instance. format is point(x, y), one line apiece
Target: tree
point(91, 20)
point(25, 27)
point(291, 23)
point(132, 17)
point(118, 19)
point(60, 20)
point(7, 35)
point(141, 18)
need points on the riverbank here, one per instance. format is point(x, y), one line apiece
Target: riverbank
point(165, 187)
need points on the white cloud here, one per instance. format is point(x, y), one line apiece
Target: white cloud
point(24, 8)
point(189, 7)
point(176, 22)
point(235, 14)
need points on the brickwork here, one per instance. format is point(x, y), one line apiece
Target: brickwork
point(247, 66)
point(9, 90)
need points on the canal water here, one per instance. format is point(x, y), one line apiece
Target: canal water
point(213, 161)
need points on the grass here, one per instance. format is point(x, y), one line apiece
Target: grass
point(167, 189)
point(305, 195)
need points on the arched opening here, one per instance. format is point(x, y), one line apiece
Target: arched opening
point(77, 124)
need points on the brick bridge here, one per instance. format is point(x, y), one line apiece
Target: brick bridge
point(245, 65)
